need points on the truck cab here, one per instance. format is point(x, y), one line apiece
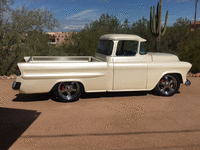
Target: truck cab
point(128, 58)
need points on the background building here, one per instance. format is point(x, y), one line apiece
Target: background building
point(197, 25)
point(58, 37)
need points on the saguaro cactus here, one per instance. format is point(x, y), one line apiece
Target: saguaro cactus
point(155, 24)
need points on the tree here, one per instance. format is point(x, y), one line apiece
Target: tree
point(125, 26)
point(142, 28)
point(4, 6)
point(24, 34)
point(176, 35)
point(85, 42)
point(189, 51)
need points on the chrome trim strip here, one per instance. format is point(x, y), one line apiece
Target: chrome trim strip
point(62, 75)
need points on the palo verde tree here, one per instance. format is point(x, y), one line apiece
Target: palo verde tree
point(4, 7)
point(142, 28)
point(189, 50)
point(155, 24)
point(176, 34)
point(85, 42)
point(23, 35)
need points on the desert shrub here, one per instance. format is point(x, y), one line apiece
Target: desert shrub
point(190, 51)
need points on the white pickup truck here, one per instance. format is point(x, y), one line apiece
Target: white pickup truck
point(121, 64)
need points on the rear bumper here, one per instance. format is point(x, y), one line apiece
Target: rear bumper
point(16, 85)
point(187, 83)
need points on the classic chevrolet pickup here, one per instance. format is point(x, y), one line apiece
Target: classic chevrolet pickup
point(121, 64)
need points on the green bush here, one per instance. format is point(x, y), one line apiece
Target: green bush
point(190, 51)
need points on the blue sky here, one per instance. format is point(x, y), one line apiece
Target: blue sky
point(74, 14)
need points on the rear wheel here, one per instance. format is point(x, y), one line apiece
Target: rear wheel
point(168, 85)
point(68, 91)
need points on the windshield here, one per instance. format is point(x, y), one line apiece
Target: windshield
point(105, 47)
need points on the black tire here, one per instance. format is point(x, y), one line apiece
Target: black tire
point(168, 85)
point(68, 91)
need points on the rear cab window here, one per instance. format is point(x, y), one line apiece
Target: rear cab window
point(105, 47)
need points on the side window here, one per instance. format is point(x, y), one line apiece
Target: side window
point(143, 48)
point(105, 47)
point(127, 48)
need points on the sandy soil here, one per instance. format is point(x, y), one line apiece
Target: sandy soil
point(114, 121)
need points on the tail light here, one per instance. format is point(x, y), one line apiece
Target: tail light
point(17, 68)
point(18, 71)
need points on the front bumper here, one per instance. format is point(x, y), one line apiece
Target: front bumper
point(16, 85)
point(187, 83)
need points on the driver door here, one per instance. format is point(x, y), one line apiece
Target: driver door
point(130, 70)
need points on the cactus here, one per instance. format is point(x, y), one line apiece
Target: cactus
point(155, 24)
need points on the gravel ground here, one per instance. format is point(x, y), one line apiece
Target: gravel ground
point(114, 121)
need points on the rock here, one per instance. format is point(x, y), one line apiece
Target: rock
point(189, 74)
point(13, 76)
point(4, 77)
point(193, 75)
point(197, 75)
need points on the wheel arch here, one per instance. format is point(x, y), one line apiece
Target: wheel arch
point(71, 80)
point(166, 73)
point(179, 76)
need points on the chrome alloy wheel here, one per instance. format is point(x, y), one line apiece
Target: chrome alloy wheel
point(69, 91)
point(168, 85)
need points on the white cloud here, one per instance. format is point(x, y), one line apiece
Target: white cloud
point(74, 27)
point(78, 20)
point(83, 14)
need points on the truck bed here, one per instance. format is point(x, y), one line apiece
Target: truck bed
point(61, 59)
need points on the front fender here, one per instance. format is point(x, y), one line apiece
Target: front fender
point(157, 70)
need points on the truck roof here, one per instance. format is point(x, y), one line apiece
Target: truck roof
point(122, 37)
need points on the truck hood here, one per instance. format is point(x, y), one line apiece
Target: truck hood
point(163, 57)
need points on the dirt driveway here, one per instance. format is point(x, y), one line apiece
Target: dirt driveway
point(114, 121)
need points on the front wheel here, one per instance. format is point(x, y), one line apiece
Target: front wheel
point(68, 91)
point(168, 85)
